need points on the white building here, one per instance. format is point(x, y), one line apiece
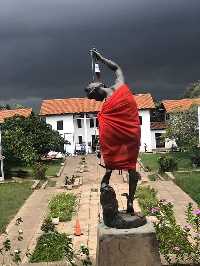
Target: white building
point(75, 119)
point(157, 128)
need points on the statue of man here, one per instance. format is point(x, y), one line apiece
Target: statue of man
point(119, 127)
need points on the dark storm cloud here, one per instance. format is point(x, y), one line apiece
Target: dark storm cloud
point(45, 46)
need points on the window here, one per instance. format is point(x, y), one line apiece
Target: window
point(60, 125)
point(140, 117)
point(97, 123)
point(79, 123)
point(91, 122)
point(80, 139)
point(159, 143)
point(167, 117)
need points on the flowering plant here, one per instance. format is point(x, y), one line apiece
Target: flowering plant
point(172, 239)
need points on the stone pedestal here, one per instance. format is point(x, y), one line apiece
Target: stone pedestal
point(127, 247)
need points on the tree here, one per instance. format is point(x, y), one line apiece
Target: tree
point(183, 127)
point(192, 91)
point(24, 139)
point(4, 107)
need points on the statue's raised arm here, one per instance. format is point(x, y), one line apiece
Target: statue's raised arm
point(120, 80)
point(98, 90)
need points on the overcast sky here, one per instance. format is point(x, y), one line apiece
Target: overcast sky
point(44, 47)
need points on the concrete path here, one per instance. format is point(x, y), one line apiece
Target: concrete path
point(88, 207)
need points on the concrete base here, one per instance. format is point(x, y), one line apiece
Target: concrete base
point(127, 247)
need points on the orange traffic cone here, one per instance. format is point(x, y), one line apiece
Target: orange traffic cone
point(78, 228)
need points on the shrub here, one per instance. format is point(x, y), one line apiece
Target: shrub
point(47, 226)
point(167, 163)
point(61, 205)
point(152, 177)
point(146, 198)
point(69, 180)
point(195, 156)
point(39, 170)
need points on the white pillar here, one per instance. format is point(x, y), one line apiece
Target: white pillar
point(85, 132)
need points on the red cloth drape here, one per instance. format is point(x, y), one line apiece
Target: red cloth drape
point(119, 130)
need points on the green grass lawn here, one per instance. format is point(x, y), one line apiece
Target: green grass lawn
point(150, 160)
point(12, 197)
point(54, 167)
point(190, 183)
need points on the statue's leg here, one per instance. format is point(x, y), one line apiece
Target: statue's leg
point(106, 178)
point(133, 179)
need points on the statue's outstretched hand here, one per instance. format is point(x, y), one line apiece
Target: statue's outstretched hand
point(95, 53)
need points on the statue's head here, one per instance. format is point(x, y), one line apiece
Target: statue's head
point(96, 91)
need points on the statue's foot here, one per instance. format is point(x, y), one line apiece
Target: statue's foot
point(112, 217)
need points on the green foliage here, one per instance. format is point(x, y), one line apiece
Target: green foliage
point(152, 177)
point(49, 247)
point(12, 197)
point(7, 247)
point(47, 226)
point(195, 155)
point(53, 183)
point(4, 107)
point(189, 182)
point(24, 139)
point(58, 247)
point(146, 198)
point(157, 114)
point(167, 163)
point(61, 205)
point(69, 180)
point(39, 170)
point(172, 239)
point(183, 127)
point(192, 91)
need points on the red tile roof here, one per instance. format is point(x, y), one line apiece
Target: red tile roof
point(158, 125)
point(183, 104)
point(84, 105)
point(9, 113)
point(144, 101)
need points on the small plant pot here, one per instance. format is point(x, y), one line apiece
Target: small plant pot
point(55, 220)
point(69, 187)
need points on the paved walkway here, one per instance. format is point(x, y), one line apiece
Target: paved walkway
point(88, 206)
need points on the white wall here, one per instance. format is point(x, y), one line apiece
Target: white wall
point(68, 128)
point(168, 144)
point(145, 130)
